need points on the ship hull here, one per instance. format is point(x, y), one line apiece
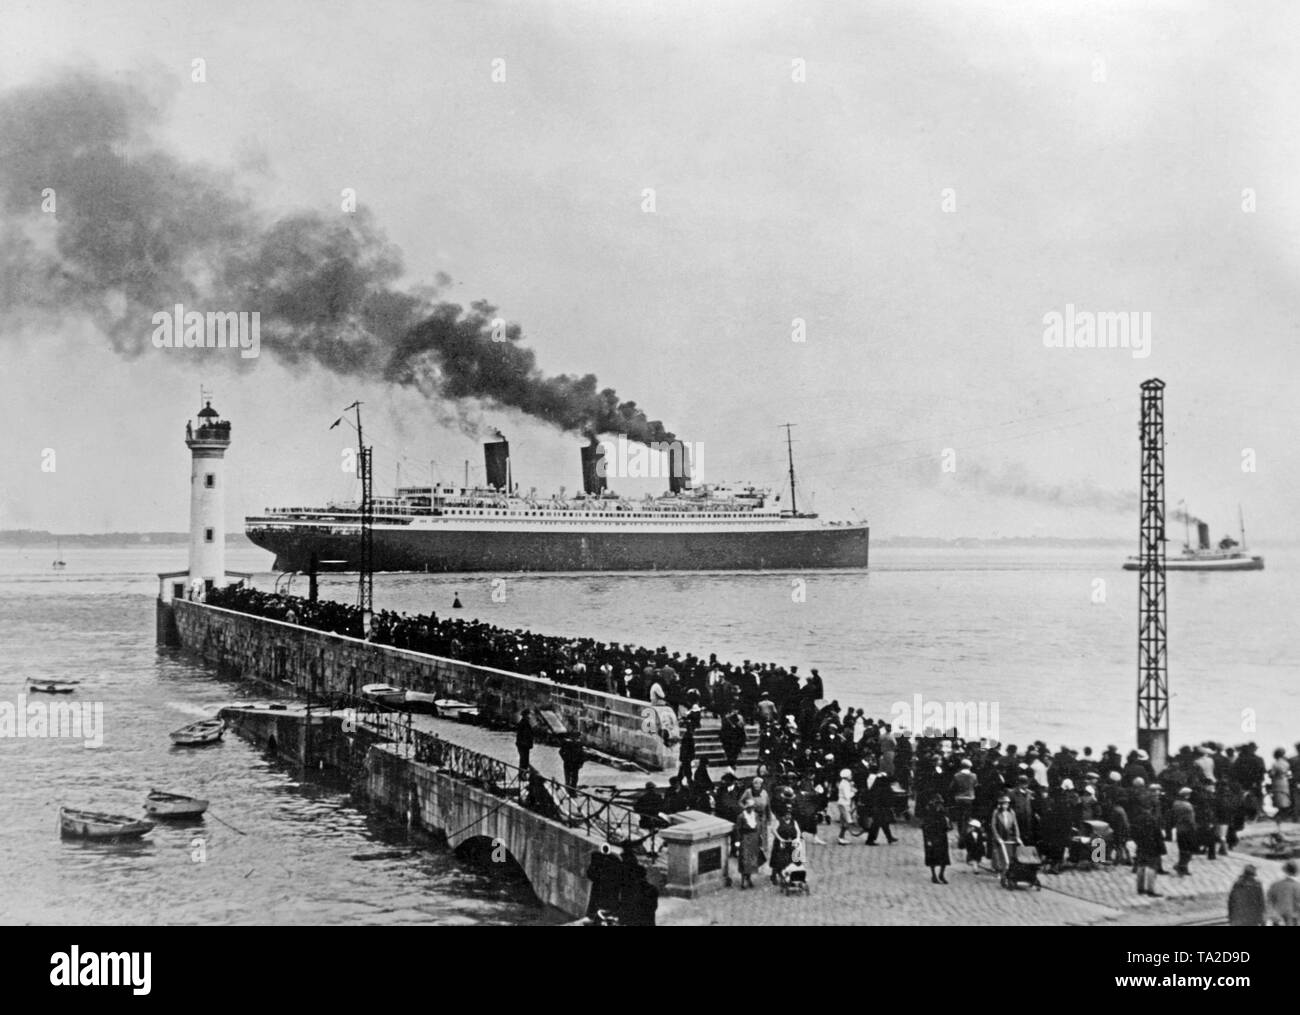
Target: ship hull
point(455, 551)
point(1230, 564)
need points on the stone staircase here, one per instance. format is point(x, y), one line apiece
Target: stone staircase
point(709, 746)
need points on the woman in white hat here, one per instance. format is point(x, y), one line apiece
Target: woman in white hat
point(844, 805)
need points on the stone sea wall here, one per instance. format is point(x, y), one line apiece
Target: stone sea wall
point(330, 663)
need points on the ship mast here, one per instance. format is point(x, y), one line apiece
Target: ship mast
point(1241, 521)
point(789, 447)
point(366, 569)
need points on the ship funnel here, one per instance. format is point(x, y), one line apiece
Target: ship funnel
point(496, 457)
point(679, 466)
point(1203, 534)
point(593, 472)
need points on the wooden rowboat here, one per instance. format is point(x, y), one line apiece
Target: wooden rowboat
point(205, 731)
point(96, 825)
point(52, 687)
point(450, 708)
point(419, 701)
point(385, 694)
point(173, 805)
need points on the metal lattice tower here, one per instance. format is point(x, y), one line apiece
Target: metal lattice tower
point(1153, 659)
point(366, 568)
point(366, 584)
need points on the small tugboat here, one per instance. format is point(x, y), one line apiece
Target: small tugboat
point(173, 805)
point(205, 731)
point(77, 824)
point(1229, 555)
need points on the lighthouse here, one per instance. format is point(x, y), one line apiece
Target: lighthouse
point(207, 438)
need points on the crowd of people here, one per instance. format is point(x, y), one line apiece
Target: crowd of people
point(684, 682)
point(821, 764)
point(860, 775)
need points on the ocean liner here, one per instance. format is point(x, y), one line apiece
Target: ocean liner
point(495, 528)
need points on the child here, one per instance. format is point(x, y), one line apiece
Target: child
point(844, 805)
point(796, 873)
point(974, 843)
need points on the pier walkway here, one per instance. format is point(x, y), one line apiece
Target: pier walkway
point(856, 884)
point(595, 775)
point(890, 886)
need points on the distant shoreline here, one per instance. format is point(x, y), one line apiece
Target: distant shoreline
point(21, 538)
point(40, 537)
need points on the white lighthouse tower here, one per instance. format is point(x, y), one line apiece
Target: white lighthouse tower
point(207, 439)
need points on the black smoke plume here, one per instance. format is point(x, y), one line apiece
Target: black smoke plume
point(136, 231)
point(1015, 481)
point(1180, 515)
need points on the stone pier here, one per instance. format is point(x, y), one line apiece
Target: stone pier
point(304, 659)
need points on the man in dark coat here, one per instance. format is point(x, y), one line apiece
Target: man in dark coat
point(686, 754)
point(605, 874)
point(524, 738)
point(650, 806)
point(880, 800)
point(1183, 815)
point(903, 755)
point(572, 757)
point(1022, 802)
point(637, 898)
point(540, 799)
point(1246, 900)
point(733, 737)
point(1150, 845)
point(1248, 772)
point(678, 798)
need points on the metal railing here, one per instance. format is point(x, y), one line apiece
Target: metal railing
point(602, 816)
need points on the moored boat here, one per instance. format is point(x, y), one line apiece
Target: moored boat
point(205, 731)
point(173, 805)
point(449, 708)
point(385, 694)
point(419, 701)
point(81, 824)
point(52, 686)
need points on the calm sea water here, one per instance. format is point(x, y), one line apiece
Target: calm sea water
point(1047, 635)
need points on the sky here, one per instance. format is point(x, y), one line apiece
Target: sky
point(921, 183)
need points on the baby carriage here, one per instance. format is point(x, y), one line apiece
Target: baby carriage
point(1019, 865)
point(1093, 843)
point(794, 878)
